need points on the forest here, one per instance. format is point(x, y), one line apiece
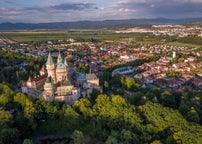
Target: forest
point(12, 69)
point(151, 117)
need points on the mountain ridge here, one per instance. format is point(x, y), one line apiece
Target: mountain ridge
point(87, 24)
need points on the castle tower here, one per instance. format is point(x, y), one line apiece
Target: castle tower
point(50, 66)
point(49, 89)
point(61, 70)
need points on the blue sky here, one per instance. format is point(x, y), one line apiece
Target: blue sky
point(40, 11)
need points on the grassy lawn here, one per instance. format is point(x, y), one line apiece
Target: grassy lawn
point(184, 44)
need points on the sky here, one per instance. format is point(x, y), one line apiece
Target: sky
point(43, 11)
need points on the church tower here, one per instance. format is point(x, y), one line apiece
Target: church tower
point(50, 66)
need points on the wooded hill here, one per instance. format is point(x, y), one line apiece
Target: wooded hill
point(108, 24)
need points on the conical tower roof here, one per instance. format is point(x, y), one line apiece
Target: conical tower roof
point(42, 68)
point(65, 62)
point(66, 83)
point(49, 83)
point(29, 79)
point(50, 59)
point(49, 80)
point(59, 60)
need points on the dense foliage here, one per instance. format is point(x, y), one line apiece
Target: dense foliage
point(100, 119)
point(15, 67)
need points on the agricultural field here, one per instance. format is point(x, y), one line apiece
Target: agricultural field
point(100, 35)
point(79, 35)
point(184, 44)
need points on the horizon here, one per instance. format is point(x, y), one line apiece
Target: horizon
point(164, 18)
point(41, 11)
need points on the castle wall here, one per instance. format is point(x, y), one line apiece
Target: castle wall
point(61, 74)
point(51, 72)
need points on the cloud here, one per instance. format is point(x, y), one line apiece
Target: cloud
point(71, 11)
point(6, 2)
point(73, 6)
point(162, 8)
point(74, 10)
point(10, 14)
point(34, 9)
point(191, 1)
point(181, 9)
point(9, 11)
point(62, 7)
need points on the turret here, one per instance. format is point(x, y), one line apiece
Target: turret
point(50, 66)
point(49, 60)
point(43, 70)
point(59, 60)
point(49, 84)
point(49, 89)
point(65, 62)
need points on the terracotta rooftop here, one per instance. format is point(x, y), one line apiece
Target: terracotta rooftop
point(37, 78)
point(91, 76)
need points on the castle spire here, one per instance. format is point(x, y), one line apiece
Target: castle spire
point(50, 59)
point(65, 62)
point(43, 70)
point(29, 79)
point(59, 60)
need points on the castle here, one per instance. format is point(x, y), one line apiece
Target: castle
point(59, 82)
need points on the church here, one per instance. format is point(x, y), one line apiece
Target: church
point(56, 82)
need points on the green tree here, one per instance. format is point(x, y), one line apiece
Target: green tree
point(192, 115)
point(27, 104)
point(168, 99)
point(111, 140)
point(9, 136)
point(116, 81)
point(5, 119)
point(27, 141)
point(131, 84)
point(128, 137)
point(6, 94)
point(84, 106)
point(78, 137)
point(156, 142)
point(183, 108)
point(83, 69)
point(106, 86)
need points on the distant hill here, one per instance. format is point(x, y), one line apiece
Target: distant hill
point(109, 24)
